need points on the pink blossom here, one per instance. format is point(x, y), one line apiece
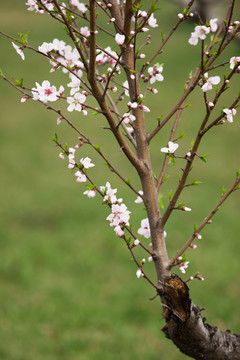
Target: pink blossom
point(139, 199)
point(86, 163)
point(45, 48)
point(183, 266)
point(139, 272)
point(213, 24)
point(136, 242)
point(200, 32)
point(233, 61)
point(79, 6)
point(85, 31)
point(152, 21)
point(119, 38)
point(155, 73)
point(150, 258)
point(74, 84)
point(75, 103)
point(19, 50)
point(229, 113)
point(62, 156)
point(109, 193)
point(172, 147)
point(118, 230)
point(127, 117)
point(33, 5)
point(45, 93)
point(119, 215)
point(213, 80)
point(145, 229)
point(81, 177)
point(90, 193)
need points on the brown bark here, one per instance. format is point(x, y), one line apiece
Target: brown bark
point(189, 331)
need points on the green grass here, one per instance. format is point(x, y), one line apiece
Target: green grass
point(68, 289)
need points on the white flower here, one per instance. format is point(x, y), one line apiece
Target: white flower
point(136, 242)
point(233, 61)
point(152, 21)
point(45, 48)
point(119, 38)
point(19, 50)
point(79, 6)
point(213, 24)
point(86, 163)
point(127, 117)
point(139, 272)
point(85, 31)
point(200, 32)
point(150, 258)
point(155, 73)
point(90, 193)
point(183, 267)
point(229, 114)
point(120, 215)
point(213, 80)
point(139, 200)
point(74, 84)
point(75, 102)
point(145, 229)
point(81, 177)
point(45, 93)
point(109, 193)
point(126, 88)
point(33, 5)
point(172, 147)
point(118, 230)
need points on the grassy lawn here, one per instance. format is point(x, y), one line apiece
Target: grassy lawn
point(68, 288)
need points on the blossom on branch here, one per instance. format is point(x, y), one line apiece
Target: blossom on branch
point(90, 193)
point(19, 50)
point(172, 147)
point(79, 6)
point(155, 73)
point(46, 92)
point(119, 38)
point(86, 163)
point(213, 80)
point(233, 61)
point(75, 103)
point(200, 32)
point(229, 113)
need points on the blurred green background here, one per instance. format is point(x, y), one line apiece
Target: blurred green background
point(68, 288)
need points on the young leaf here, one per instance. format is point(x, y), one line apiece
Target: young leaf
point(55, 138)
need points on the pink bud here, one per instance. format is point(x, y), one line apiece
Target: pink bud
point(180, 16)
point(150, 258)
point(136, 242)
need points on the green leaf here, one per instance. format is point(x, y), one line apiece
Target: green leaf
point(180, 205)
point(170, 195)
point(159, 118)
point(223, 190)
point(195, 182)
point(180, 136)
point(238, 173)
point(172, 161)
point(18, 82)
point(128, 181)
point(1, 73)
point(23, 38)
point(128, 240)
point(108, 166)
point(195, 227)
point(97, 147)
point(160, 201)
point(184, 258)
point(204, 157)
point(55, 138)
point(187, 105)
point(153, 8)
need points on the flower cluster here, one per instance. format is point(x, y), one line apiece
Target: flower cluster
point(155, 73)
point(46, 92)
point(201, 31)
point(119, 218)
